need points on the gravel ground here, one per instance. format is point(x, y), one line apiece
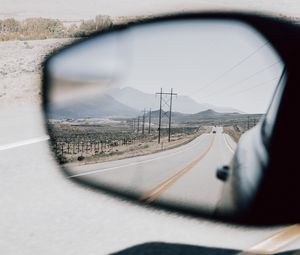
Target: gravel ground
point(20, 68)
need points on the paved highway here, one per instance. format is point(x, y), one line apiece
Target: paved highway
point(184, 175)
point(42, 212)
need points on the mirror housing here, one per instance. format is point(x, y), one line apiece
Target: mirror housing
point(248, 201)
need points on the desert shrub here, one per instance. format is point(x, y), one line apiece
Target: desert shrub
point(72, 31)
point(86, 27)
point(9, 26)
point(43, 28)
point(114, 153)
point(62, 160)
point(145, 146)
point(101, 22)
point(80, 158)
point(234, 132)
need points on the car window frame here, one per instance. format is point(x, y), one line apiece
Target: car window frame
point(271, 115)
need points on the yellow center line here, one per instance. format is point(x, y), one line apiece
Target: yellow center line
point(154, 193)
point(276, 242)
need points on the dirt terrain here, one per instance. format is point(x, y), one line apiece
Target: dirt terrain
point(83, 144)
point(239, 127)
point(234, 131)
point(20, 69)
point(76, 142)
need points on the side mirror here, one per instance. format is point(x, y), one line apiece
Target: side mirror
point(149, 110)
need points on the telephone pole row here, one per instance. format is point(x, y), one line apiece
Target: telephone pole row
point(141, 122)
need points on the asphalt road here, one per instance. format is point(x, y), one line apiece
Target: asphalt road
point(184, 176)
point(42, 212)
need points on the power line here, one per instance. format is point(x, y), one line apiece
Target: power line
point(253, 87)
point(241, 81)
point(232, 67)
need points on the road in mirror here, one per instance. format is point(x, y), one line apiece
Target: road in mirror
point(152, 111)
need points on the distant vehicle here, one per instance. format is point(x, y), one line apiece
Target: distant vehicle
point(214, 131)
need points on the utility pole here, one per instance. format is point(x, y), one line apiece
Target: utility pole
point(169, 114)
point(149, 129)
point(138, 124)
point(159, 122)
point(143, 130)
point(62, 150)
point(133, 125)
point(248, 121)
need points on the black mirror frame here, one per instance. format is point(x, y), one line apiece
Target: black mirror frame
point(284, 36)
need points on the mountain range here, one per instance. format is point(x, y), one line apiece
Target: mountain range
point(185, 117)
point(140, 100)
point(104, 106)
point(129, 103)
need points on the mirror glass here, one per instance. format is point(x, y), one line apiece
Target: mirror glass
point(153, 110)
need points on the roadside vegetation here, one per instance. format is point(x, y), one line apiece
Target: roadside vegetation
point(43, 28)
point(237, 128)
point(234, 131)
point(79, 143)
point(84, 144)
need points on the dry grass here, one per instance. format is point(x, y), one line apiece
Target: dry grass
point(42, 28)
point(139, 147)
point(234, 131)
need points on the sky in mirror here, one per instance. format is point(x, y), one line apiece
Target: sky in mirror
point(89, 61)
point(221, 63)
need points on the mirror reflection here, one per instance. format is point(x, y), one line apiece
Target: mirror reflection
point(154, 110)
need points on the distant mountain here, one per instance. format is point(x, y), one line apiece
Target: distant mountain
point(155, 114)
point(125, 103)
point(213, 114)
point(103, 106)
point(140, 100)
point(203, 115)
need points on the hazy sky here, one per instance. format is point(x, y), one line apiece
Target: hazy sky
point(78, 9)
point(221, 63)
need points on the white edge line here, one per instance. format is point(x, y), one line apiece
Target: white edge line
point(227, 144)
point(24, 142)
point(133, 163)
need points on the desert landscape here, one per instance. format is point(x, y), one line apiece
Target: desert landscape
point(112, 126)
point(20, 70)
point(86, 143)
point(94, 137)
